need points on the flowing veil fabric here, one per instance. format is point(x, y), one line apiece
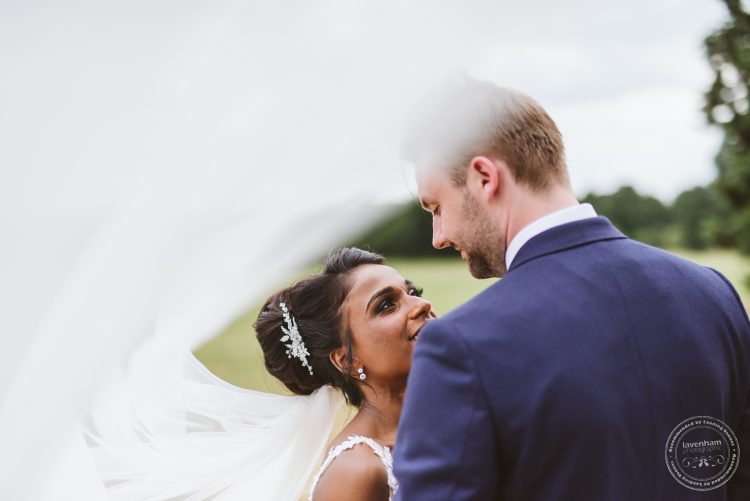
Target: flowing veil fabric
point(110, 370)
point(164, 166)
point(194, 436)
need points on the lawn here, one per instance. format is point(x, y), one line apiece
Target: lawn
point(235, 356)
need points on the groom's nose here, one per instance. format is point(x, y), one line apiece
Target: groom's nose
point(438, 238)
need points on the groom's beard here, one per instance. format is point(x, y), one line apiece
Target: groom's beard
point(482, 267)
point(483, 243)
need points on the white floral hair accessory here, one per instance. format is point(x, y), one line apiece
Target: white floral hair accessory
point(295, 348)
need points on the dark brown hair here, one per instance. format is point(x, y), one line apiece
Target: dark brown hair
point(316, 305)
point(470, 117)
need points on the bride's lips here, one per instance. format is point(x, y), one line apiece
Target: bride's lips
point(414, 336)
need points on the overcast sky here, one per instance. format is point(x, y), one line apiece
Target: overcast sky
point(91, 92)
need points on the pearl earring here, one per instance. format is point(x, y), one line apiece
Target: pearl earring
point(362, 374)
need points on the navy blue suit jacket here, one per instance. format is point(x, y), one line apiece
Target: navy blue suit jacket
point(563, 380)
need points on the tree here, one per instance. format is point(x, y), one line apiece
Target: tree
point(408, 232)
point(640, 217)
point(727, 104)
point(701, 214)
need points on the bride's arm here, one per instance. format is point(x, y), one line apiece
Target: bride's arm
point(356, 475)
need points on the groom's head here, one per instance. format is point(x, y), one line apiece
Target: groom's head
point(487, 158)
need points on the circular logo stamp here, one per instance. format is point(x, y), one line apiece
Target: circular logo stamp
point(702, 453)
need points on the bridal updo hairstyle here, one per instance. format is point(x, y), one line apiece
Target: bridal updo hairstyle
point(316, 305)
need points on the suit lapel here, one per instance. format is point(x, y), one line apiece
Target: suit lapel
point(566, 236)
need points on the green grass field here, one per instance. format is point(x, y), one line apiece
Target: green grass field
point(235, 356)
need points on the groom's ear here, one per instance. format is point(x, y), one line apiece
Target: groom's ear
point(484, 177)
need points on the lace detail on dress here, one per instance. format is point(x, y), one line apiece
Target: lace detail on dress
point(383, 452)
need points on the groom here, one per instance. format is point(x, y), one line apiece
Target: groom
point(598, 368)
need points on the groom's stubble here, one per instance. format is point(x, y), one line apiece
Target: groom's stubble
point(483, 242)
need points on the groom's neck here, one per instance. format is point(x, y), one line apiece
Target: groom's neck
point(527, 206)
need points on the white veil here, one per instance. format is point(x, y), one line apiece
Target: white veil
point(194, 436)
point(164, 166)
point(113, 358)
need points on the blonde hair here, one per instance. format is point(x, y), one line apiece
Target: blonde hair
point(470, 118)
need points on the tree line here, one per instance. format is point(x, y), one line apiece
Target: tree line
point(699, 218)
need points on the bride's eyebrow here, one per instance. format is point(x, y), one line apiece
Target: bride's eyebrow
point(380, 293)
point(385, 290)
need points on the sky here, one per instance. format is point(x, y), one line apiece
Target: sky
point(92, 92)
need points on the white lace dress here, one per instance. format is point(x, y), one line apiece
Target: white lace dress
point(383, 452)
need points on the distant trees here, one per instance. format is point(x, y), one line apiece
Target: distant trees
point(407, 233)
point(697, 219)
point(701, 215)
point(639, 216)
point(727, 104)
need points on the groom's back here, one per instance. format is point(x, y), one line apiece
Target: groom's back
point(589, 356)
point(614, 348)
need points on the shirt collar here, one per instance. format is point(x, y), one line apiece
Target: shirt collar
point(557, 218)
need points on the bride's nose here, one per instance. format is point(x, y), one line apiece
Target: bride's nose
point(420, 308)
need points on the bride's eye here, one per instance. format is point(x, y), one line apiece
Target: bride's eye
point(416, 291)
point(384, 305)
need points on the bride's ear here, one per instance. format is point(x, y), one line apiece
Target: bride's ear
point(338, 358)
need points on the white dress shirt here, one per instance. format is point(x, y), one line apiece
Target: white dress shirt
point(557, 218)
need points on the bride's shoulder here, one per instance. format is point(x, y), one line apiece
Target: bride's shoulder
point(354, 473)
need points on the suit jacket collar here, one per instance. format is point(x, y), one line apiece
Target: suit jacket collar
point(566, 236)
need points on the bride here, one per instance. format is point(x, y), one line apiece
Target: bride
point(351, 327)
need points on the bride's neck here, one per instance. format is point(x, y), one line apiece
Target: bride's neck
point(381, 411)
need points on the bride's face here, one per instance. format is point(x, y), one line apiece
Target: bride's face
point(385, 313)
